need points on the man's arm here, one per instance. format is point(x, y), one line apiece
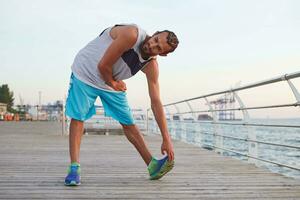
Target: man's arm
point(152, 72)
point(124, 38)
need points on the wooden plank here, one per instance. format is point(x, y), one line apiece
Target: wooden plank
point(34, 157)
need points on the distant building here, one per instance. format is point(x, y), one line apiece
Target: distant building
point(3, 108)
point(49, 112)
point(176, 117)
point(204, 117)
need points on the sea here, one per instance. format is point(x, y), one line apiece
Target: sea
point(200, 133)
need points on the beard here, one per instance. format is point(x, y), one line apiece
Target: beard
point(145, 47)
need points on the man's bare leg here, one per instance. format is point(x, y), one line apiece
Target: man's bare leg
point(135, 137)
point(76, 132)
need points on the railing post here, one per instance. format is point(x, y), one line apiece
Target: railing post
point(218, 140)
point(252, 146)
point(192, 110)
point(193, 126)
point(179, 130)
point(293, 88)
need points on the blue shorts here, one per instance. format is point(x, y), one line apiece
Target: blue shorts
point(81, 99)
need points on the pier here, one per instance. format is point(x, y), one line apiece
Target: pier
point(34, 158)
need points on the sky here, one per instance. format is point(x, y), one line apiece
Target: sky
point(222, 44)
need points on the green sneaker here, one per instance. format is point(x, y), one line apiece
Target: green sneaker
point(158, 168)
point(73, 177)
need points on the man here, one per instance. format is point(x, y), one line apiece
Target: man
point(99, 69)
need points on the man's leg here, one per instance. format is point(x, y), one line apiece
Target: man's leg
point(156, 168)
point(135, 137)
point(79, 105)
point(115, 105)
point(76, 132)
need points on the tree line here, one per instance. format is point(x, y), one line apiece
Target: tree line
point(7, 97)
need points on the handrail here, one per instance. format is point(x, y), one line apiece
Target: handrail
point(261, 83)
point(251, 124)
point(247, 108)
point(245, 124)
point(256, 158)
point(256, 141)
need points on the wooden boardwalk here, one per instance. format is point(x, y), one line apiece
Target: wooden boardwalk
point(34, 158)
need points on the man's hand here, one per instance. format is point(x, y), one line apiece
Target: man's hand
point(118, 85)
point(167, 148)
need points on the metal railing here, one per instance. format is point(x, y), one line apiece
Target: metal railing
point(245, 122)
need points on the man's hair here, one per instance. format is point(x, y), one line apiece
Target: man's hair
point(172, 40)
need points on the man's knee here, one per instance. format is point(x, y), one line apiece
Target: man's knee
point(76, 122)
point(128, 127)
